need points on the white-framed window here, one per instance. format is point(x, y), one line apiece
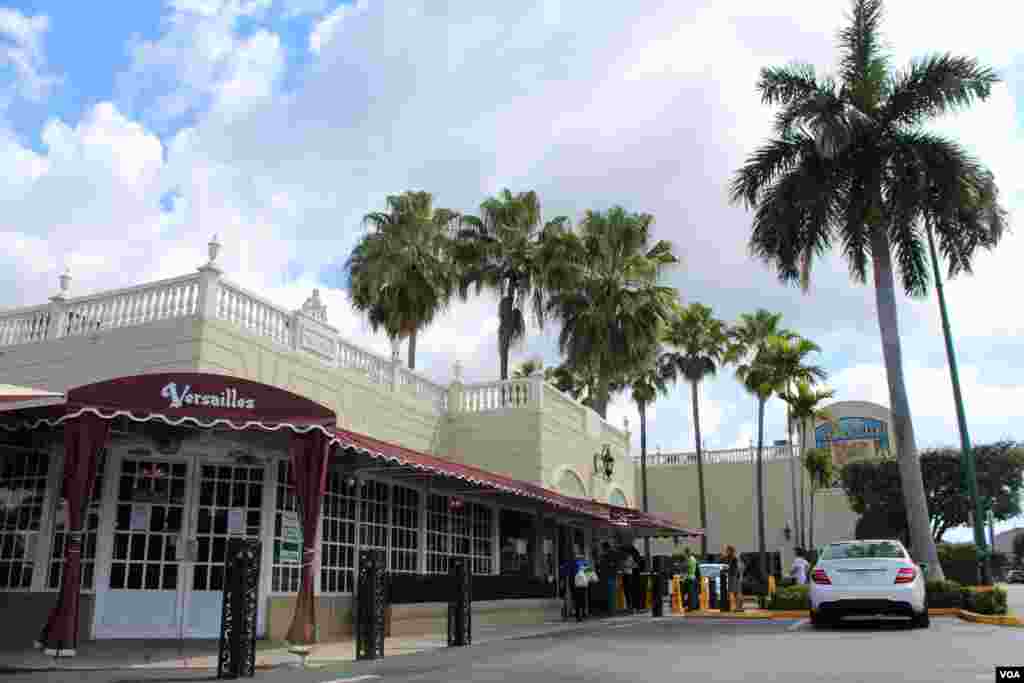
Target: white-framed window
point(405, 530)
point(465, 531)
point(338, 535)
point(224, 488)
point(285, 578)
point(374, 519)
point(23, 477)
point(90, 529)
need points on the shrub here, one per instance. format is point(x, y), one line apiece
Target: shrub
point(944, 594)
point(984, 602)
point(791, 597)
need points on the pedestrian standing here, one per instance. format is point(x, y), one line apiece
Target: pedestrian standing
point(629, 569)
point(690, 584)
point(735, 569)
point(581, 581)
point(800, 567)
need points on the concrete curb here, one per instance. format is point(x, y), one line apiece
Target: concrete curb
point(990, 619)
point(788, 614)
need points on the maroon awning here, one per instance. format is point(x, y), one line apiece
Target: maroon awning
point(184, 398)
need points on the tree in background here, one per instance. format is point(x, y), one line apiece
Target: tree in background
point(400, 273)
point(851, 164)
point(805, 407)
point(698, 344)
point(649, 382)
point(604, 288)
point(874, 487)
point(1018, 549)
point(818, 465)
point(499, 251)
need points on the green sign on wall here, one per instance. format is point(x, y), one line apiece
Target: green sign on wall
point(289, 550)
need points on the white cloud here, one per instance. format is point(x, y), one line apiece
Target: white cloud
point(21, 46)
point(327, 28)
point(556, 96)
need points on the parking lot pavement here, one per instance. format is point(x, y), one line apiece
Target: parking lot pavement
point(670, 650)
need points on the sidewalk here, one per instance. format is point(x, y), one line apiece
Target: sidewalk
point(112, 655)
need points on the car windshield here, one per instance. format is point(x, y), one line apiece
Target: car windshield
point(856, 551)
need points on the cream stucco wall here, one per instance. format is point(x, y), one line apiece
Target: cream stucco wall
point(732, 507)
point(61, 364)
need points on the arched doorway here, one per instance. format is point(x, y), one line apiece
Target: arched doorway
point(570, 484)
point(618, 498)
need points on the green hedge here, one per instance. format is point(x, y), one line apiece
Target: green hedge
point(984, 602)
point(944, 594)
point(791, 597)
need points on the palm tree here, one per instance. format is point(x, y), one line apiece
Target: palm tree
point(700, 343)
point(604, 288)
point(777, 359)
point(793, 368)
point(399, 273)
point(528, 368)
point(804, 406)
point(649, 382)
point(498, 251)
point(818, 465)
point(851, 163)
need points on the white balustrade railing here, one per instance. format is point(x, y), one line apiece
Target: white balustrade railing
point(24, 325)
point(513, 393)
point(206, 294)
point(254, 314)
point(162, 300)
point(423, 388)
point(352, 357)
point(730, 455)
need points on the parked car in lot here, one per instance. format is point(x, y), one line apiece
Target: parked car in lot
point(871, 578)
point(1015, 576)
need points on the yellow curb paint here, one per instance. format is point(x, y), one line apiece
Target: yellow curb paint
point(990, 619)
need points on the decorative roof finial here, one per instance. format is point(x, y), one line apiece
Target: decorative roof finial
point(65, 281)
point(213, 249)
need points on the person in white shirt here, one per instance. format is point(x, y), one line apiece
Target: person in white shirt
point(800, 567)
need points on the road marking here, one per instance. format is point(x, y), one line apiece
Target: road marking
point(368, 677)
point(798, 625)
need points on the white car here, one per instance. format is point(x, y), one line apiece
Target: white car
point(867, 578)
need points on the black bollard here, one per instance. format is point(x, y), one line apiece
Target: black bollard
point(658, 592)
point(726, 589)
point(460, 605)
point(371, 604)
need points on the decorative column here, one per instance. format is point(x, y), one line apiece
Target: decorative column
point(83, 438)
point(209, 283)
point(537, 387)
point(58, 307)
point(396, 364)
point(455, 391)
point(308, 455)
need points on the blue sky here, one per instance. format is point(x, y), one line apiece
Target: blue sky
point(130, 133)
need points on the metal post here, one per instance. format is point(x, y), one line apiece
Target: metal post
point(370, 607)
point(658, 593)
point(237, 652)
point(460, 605)
point(966, 452)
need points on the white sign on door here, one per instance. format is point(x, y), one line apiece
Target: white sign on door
point(140, 518)
point(236, 522)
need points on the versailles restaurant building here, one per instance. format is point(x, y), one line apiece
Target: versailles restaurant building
point(118, 494)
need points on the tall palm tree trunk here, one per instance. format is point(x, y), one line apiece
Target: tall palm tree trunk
point(412, 350)
point(643, 475)
point(761, 543)
point(792, 472)
point(810, 530)
point(921, 542)
point(700, 474)
point(803, 493)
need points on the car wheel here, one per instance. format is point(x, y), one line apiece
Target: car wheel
point(922, 620)
point(818, 620)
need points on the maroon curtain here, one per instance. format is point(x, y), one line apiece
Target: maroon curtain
point(309, 453)
point(84, 437)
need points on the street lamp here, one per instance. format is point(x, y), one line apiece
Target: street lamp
point(967, 460)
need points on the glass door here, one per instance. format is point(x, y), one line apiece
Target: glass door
point(142, 595)
point(230, 503)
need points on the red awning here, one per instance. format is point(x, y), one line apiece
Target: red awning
point(185, 398)
point(607, 514)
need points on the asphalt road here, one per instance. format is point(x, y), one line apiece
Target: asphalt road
point(671, 650)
